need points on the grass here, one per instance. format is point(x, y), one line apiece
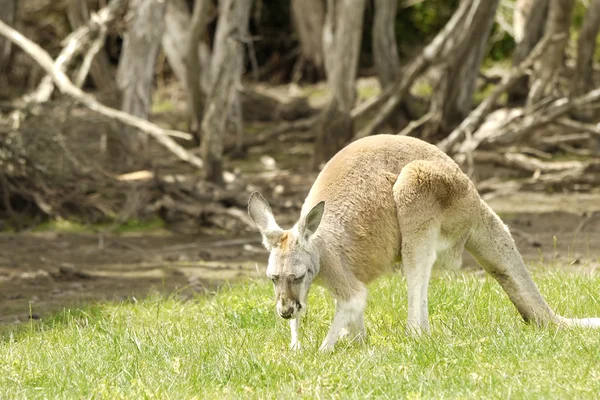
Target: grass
point(129, 226)
point(231, 345)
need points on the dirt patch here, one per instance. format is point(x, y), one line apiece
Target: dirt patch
point(44, 272)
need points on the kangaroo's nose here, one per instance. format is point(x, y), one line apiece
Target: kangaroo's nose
point(286, 313)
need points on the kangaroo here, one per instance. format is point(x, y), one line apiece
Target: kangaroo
point(381, 200)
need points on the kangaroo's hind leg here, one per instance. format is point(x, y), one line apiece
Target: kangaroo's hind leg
point(419, 221)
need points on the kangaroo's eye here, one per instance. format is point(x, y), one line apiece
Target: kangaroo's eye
point(299, 279)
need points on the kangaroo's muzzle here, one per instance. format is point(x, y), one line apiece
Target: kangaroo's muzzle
point(288, 308)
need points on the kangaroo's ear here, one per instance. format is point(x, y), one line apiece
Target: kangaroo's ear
point(310, 223)
point(261, 214)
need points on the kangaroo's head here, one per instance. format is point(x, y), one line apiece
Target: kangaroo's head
point(294, 259)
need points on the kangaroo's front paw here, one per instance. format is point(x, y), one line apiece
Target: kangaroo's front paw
point(295, 345)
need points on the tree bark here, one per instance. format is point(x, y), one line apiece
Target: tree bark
point(530, 18)
point(136, 66)
point(197, 65)
point(309, 16)
point(521, 12)
point(100, 69)
point(583, 78)
point(8, 15)
point(226, 67)
point(546, 70)
point(457, 84)
point(177, 26)
point(341, 43)
point(385, 54)
point(385, 48)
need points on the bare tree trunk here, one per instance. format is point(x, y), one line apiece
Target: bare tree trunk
point(385, 48)
point(583, 80)
point(136, 66)
point(521, 11)
point(385, 54)
point(457, 84)
point(195, 67)
point(309, 16)
point(177, 26)
point(530, 19)
point(546, 70)
point(226, 67)
point(100, 69)
point(341, 43)
point(8, 15)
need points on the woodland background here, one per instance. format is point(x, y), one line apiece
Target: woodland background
point(227, 85)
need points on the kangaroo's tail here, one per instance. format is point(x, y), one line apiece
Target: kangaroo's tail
point(494, 248)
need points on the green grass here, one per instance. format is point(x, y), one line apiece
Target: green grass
point(129, 226)
point(231, 345)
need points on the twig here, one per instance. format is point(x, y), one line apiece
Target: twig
point(589, 128)
point(67, 87)
point(86, 64)
point(416, 124)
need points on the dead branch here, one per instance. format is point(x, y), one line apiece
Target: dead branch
point(76, 42)
point(416, 124)
point(566, 139)
point(524, 122)
point(67, 87)
point(525, 163)
point(580, 126)
point(477, 116)
point(372, 103)
point(585, 175)
point(79, 15)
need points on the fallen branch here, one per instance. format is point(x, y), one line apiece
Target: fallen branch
point(588, 174)
point(525, 163)
point(523, 123)
point(66, 86)
point(477, 116)
point(565, 139)
point(583, 127)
